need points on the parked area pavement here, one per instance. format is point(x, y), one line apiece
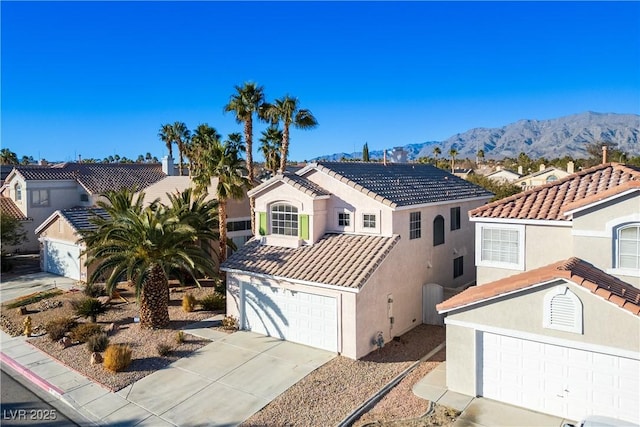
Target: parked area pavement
point(478, 411)
point(17, 287)
point(221, 384)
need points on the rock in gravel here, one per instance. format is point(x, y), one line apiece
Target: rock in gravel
point(96, 358)
point(104, 300)
point(23, 310)
point(65, 342)
point(111, 328)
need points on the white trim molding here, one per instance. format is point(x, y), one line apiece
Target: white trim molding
point(519, 228)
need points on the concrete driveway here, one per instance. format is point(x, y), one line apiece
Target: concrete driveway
point(32, 283)
point(225, 382)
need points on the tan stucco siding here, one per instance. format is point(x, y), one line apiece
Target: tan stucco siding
point(604, 323)
point(461, 359)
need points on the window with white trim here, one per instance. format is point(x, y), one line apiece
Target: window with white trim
point(40, 198)
point(344, 219)
point(500, 245)
point(628, 247)
point(369, 221)
point(18, 189)
point(562, 310)
point(415, 226)
point(284, 219)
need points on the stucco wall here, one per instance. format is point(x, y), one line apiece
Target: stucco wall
point(461, 360)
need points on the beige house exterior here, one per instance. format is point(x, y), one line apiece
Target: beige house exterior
point(543, 176)
point(343, 251)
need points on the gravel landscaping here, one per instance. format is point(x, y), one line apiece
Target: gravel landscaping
point(145, 356)
point(331, 392)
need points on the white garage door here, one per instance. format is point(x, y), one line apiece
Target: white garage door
point(558, 380)
point(294, 316)
point(62, 259)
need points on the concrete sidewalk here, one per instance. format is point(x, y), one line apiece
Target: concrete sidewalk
point(221, 384)
point(478, 411)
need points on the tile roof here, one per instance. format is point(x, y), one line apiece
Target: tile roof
point(574, 269)
point(79, 217)
point(551, 201)
point(402, 184)
point(97, 177)
point(8, 207)
point(346, 260)
point(304, 185)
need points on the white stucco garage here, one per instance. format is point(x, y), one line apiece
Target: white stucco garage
point(562, 339)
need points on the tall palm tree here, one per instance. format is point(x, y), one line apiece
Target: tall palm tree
point(222, 161)
point(453, 153)
point(271, 145)
point(8, 157)
point(436, 153)
point(287, 110)
point(181, 136)
point(166, 136)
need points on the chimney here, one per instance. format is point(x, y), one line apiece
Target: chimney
point(570, 167)
point(542, 167)
point(167, 166)
point(519, 170)
point(79, 158)
point(498, 168)
point(604, 154)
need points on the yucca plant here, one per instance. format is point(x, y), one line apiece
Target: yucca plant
point(89, 308)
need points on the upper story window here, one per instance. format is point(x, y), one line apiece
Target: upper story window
point(18, 189)
point(455, 218)
point(562, 310)
point(458, 267)
point(284, 219)
point(628, 247)
point(40, 198)
point(84, 197)
point(500, 245)
point(344, 219)
point(239, 225)
point(369, 221)
point(415, 226)
point(438, 230)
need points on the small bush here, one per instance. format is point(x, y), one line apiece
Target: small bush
point(220, 287)
point(213, 302)
point(98, 342)
point(179, 337)
point(57, 328)
point(84, 331)
point(189, 303)
point(117, 357)
point(94, 290)
point(230, 323)
point(88, 307)
point(164, 349)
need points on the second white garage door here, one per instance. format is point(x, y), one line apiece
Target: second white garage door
point(294, 316)
point(559, 380)
point(62, 259)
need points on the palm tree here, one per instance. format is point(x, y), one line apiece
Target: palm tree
point(287, 110)
point(166, 136)
point(8, 157)
point(436, 153)
point(148, 157)
point(480, 155)
point(222, 161)
point(453, 153)
point(271, 145)
point(181, 136)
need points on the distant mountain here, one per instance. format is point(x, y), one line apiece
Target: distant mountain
point(553, 138)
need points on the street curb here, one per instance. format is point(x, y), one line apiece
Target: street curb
point(31, 376)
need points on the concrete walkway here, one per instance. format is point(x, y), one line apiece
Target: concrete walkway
point(478, 411)
point(221, 384)
point(33, 283)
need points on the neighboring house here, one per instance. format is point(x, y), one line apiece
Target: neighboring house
point(39, 191)
point(10, 209)
point(543, 176)
point(593, 215)
point(345, 249)
point(463, 172)
point(503, 175)
point(238, 210)
point(61, 241)
point(562, 339)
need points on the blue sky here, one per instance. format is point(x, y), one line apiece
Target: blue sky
point(99, 78)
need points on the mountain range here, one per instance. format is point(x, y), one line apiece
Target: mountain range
point(563, 136)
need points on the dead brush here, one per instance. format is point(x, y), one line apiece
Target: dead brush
point(117, 357)
point(189, 303)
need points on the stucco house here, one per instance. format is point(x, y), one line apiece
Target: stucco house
point(9, 208)
point(344, 250)
point(553, 323)
point(503, 175)
point(543, 176)
point(39, 191)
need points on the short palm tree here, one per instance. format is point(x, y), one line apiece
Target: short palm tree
point(436, 153)
point(287, 110)
point(271, 145)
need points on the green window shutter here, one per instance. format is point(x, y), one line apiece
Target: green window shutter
point(303, 230)
point(263, 224)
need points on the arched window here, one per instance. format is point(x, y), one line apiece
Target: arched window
point(284, 219)
point(628, 247)
point(552, 178)
point(18, 189)
point(562, 310)
point(438, 230)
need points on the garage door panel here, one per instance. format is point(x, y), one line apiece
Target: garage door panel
point(62, 259)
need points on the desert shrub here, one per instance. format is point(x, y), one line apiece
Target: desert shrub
point(94, 290)
point(189, 303)
point(117, 357)
point(88, 307)
point(84, 331)
point(213, 302)
point(57, 328)
point(98, 342)
point(179, 337)
point(220, 287)
point(163, 349)
point(230, 323)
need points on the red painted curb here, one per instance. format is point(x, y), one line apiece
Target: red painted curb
point(31, 376)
